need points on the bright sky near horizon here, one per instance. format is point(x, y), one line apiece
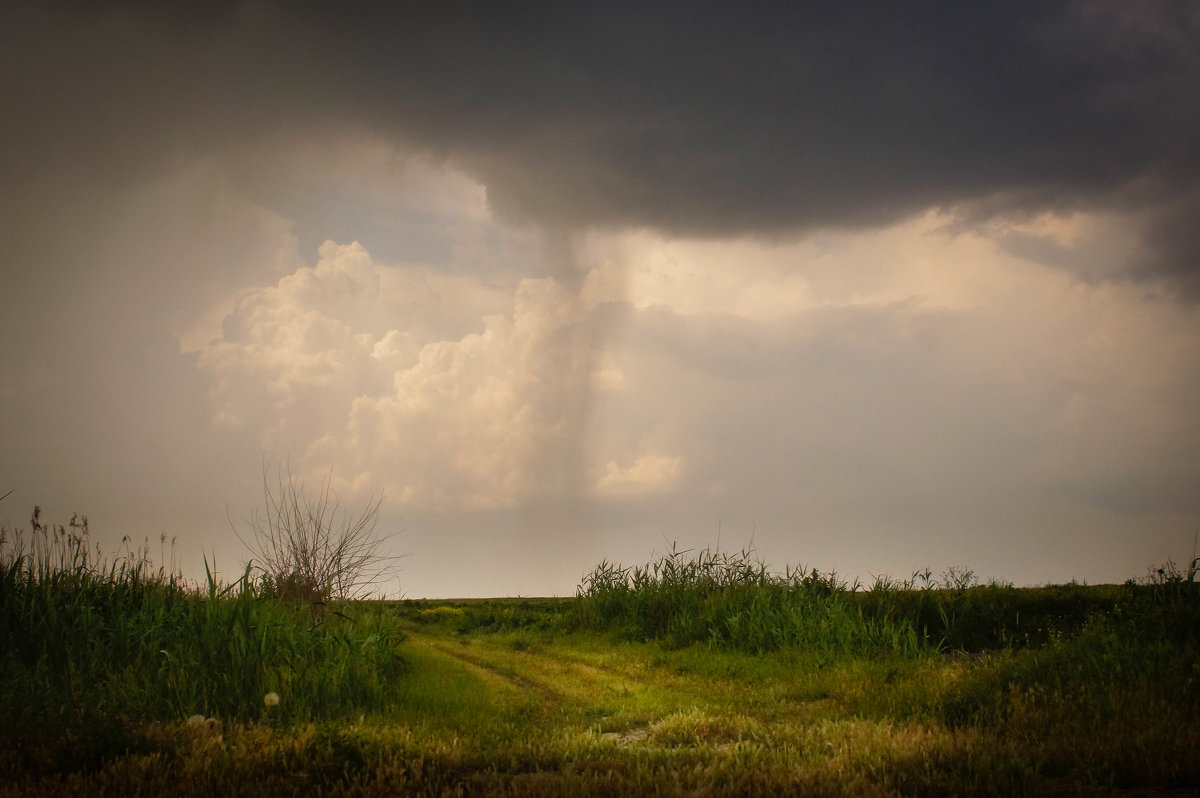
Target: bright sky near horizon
point(870, 288)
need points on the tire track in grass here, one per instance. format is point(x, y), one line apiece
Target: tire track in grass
point(549, 697)
point(623, 704)
point(634, 731)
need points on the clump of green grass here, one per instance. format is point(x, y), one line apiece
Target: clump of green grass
point(91, 640)
point(1116, 702)
point(967, 616)
point(734, 600)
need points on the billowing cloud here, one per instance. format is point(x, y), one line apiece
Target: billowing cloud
point(297, 345)
point(492, 419)
point(488, 420)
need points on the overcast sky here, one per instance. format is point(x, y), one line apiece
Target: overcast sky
point(869, 287)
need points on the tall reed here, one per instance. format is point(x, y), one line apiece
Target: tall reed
point(734, 600)
point(86, 638)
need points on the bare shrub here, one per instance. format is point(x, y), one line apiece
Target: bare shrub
point(307, 547)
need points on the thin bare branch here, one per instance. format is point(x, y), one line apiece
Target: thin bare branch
point(307, 546)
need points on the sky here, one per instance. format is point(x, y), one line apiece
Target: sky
point(870, 287)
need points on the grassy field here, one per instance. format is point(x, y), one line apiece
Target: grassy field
point(700, 674)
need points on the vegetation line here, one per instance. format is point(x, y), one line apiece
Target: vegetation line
point(704, 672)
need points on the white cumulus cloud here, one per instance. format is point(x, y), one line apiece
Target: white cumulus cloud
point(486, 420)
point(648, 474)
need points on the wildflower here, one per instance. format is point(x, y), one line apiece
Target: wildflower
point(271, 699)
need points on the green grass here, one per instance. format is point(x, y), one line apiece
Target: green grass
point(93, 644)
point(707, 674)
point(734, 600)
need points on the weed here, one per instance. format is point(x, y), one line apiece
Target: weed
point(89, 640)
point(309, 550)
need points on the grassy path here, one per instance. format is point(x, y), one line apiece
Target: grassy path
point(497, 672)
point(639, 714)
point(587, 715)
point(585, 686)
point(524, 714)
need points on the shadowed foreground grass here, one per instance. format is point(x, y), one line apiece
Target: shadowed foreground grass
point(1071, 690)
point(517, 714)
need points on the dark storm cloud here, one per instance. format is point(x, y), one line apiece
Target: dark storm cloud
point(693, 118)
point(1172, 241)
